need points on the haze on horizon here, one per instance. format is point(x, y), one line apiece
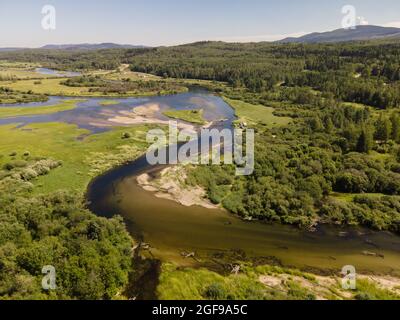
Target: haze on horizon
point(160, 22)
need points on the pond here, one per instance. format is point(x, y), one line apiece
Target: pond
point(57, 73)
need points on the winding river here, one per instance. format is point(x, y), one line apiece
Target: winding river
point(170, 229)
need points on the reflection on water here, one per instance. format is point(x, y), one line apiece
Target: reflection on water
point(171, 228)
point(50, 102)
point(56, 73)
point(91, 115)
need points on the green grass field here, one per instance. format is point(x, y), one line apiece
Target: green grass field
point(349, 197)
point(192, 116)
point(23, 74)
point(54, 87)
point(20, 70)
point(256, 114)
point(7, 112)
point(51, 87)
point(83, 159)
point(108, 103)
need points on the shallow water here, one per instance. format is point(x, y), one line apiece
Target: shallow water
point(50, 102)
point(52, 72)
point(171, 229)
point(91, 115)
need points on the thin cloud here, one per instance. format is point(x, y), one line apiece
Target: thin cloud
point(394, 24)
point(362, 21)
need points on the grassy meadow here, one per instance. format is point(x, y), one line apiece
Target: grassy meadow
point(7, 112)
point(83, 157)
point(192, 116)
point(256, 114)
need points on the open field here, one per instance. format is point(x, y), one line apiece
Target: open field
point(19, 70)
point(83, 158)
point(52, 87)
point(132, 76)
point(23, 74)
point(6, 112)
point(256, 114)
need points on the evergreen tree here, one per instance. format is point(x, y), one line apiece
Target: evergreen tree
point(383, 129)
point(395, 122)
point(316, 124)
point(329, 127)
point(365, 141)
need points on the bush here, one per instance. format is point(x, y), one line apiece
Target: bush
point(126, 135)
point(8, 166)
point(28, 174)
point(352, 181)
point(15, 164)
point(363, 296)
point(91, 254)
point(215, 291)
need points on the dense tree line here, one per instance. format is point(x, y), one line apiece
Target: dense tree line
point(98, 84)
point(91, 255)
point(106, 59)
point(352, 72)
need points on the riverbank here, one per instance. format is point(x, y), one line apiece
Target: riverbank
point(247, 282)
point(54, 87)
point(149, 113)
point(171, 184)
point(168, 228)
point(8, 112)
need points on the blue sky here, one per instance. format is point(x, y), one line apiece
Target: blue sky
point(168, 22)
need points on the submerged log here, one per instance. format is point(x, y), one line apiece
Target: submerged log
point(188, 255)
point(373, 254)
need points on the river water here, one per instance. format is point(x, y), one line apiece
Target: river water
point(171, 229)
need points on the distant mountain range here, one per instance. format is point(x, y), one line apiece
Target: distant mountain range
point(343, 35)
point(82, 46)
point(360, 33)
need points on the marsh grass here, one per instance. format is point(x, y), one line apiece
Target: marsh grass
point(82, 159)
point(7, 112)
point(192, 116)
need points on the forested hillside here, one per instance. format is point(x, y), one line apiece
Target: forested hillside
point(339, 160)
point(364, 73)
point(327, 151)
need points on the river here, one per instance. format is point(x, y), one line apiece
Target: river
point(171, 229)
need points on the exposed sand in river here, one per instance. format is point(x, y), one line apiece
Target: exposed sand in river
point(146, 114)
point(171, 185)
